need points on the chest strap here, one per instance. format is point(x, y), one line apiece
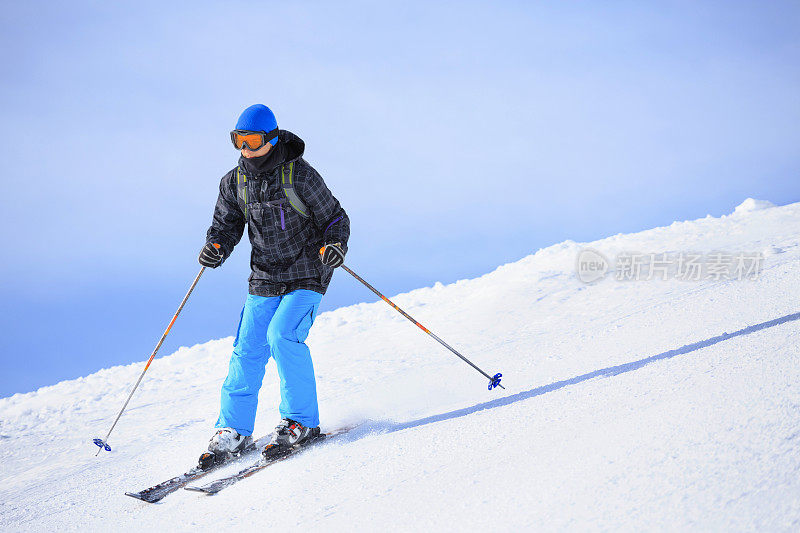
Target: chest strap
point(287, 185)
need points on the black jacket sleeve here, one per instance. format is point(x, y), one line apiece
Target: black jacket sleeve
point(326, 213)
point(228, 224)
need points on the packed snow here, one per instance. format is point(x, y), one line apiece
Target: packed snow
point(637, 404)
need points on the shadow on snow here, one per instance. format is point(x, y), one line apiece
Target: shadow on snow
point(603, 372)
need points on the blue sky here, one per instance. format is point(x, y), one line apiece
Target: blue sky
point(495, 128)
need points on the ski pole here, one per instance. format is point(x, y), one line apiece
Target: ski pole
point(494, 381)
point(103, 443)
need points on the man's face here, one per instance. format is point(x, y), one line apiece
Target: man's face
point(264, 150)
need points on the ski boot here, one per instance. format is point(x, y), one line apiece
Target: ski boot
point(289, 435)
point(225, 443)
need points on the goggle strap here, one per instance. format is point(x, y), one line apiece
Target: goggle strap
point(270, 135)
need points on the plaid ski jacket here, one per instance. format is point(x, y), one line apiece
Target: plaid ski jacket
point(285, 245)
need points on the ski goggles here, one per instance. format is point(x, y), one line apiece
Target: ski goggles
point(253, 140)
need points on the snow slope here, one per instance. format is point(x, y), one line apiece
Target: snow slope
point(659, 404)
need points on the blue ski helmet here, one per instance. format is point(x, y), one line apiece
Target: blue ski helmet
point(258, 117)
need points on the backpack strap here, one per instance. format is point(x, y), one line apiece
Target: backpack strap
point(287, 182)
point(291, 194)
point(241, 190)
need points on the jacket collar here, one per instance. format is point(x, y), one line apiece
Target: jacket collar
point(289, 148)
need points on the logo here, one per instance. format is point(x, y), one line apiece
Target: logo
point(591, 265)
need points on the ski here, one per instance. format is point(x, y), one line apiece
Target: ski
point(219, 484)
point(158, 492)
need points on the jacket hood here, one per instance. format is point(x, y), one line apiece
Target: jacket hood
point(289, 148)
point(294, 145)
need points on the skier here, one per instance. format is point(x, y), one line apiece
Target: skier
point(298, 232)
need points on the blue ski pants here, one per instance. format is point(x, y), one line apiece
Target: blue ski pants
point(277, 327)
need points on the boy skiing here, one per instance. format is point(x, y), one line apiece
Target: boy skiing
point(298, 232)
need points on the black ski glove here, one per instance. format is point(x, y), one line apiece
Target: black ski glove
point(332, 254)
point(210, 255)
